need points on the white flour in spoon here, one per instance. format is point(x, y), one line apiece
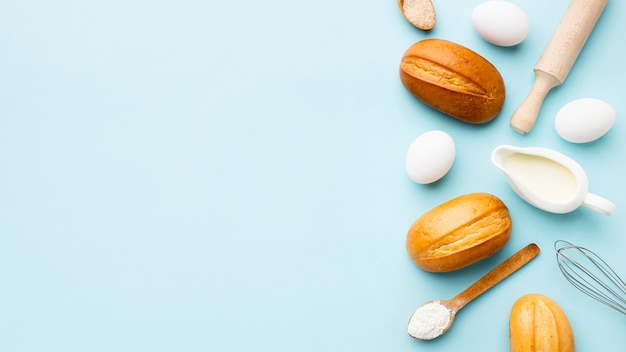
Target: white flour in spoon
point(429, 321)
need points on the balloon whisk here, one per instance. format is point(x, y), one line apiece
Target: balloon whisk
point(591, 274)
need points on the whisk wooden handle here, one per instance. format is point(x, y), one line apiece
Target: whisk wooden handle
point(496, 275)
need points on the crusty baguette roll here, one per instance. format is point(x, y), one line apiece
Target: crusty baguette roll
point(537, 323)
point(459, 232)
point(453, 79)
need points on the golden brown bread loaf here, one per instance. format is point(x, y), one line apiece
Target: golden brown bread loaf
point(537, 323)
point(453, 79)
point(459, 232)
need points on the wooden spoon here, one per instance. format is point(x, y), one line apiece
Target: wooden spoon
point(420, 13)
point(430, 320)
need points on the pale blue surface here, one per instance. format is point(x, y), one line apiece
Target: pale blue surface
point(229, 176)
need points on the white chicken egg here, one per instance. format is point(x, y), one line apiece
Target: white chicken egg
point(500, 22)
point(584, 120)
point(430, 157)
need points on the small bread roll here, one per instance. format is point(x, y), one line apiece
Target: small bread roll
point(537, 323)
point(459, 232)
point(453, 79)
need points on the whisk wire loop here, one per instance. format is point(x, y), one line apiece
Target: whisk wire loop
point(591, 275)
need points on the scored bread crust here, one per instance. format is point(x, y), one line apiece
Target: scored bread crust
point(537, 323)
point(459, 232)
point(453, 79)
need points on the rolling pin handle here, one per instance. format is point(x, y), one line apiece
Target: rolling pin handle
point(558, 57)
point(524, 117)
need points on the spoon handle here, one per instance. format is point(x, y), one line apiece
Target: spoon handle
point(496, 275)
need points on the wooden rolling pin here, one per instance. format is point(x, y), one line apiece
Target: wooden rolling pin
point(558, 58)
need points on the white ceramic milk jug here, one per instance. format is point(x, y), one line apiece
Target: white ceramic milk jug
point(548, 179)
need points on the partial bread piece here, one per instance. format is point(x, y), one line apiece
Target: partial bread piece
point(537, 323)
point(459, 232)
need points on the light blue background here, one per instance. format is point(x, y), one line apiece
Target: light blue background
point(229, 176)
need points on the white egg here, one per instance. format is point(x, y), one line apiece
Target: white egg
point(500, 22)
point(584, 120)
point(430, 157)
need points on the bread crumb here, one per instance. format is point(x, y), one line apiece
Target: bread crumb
point(421, 13)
